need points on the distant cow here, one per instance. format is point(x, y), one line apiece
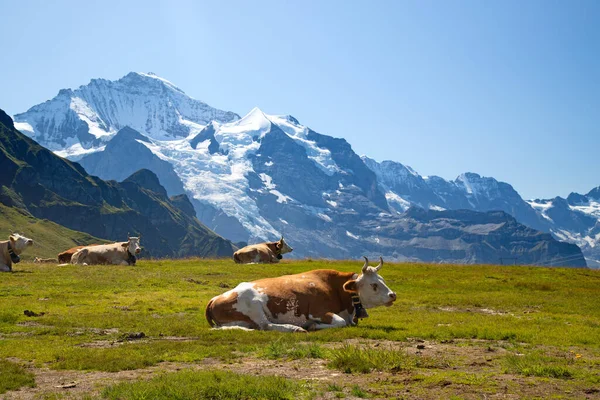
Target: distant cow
point(268, 252)
point(310, 300)
point(65, 256)
point(39, 260)
point(10, 250)
point(120, 253)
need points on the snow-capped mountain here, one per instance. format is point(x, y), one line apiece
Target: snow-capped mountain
point(575, 219)
point(81, 121)
point(260, 176)
point(404, 187)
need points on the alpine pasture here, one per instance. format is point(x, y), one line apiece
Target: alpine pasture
point(139, 332)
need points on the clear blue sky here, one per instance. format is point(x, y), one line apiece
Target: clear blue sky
point(509, 89)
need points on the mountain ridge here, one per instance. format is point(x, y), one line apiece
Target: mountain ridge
point(248, 178)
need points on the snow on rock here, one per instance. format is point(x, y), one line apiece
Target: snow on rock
point(394, 198)
point(353, 236)
point(93, 113)
point(541, 206)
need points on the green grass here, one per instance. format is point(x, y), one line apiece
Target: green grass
point(207, 385)
point(539, 312)
point(538, 365)
point(49, 238)
point(279, 349)
point(361, 359)
point(13, 377)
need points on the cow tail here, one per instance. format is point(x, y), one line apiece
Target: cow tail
point(79, 255)
point(208, 314)
point(236, 258)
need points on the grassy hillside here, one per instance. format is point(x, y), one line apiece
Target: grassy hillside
point(139, 332)
point(50, 238)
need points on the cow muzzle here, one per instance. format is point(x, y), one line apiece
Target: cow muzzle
point(392, 300)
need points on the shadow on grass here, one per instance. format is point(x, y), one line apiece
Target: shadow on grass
point(385, 328)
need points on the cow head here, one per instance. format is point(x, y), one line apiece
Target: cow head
point(283, 247)
point(371, 287)
point(19, 243)
point(133, 245)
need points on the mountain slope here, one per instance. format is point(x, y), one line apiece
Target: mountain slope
point(49, 187)
point(117, 161)
point(49, 237)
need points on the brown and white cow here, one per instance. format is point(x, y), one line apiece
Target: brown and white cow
point(10, 250)
point(310, 300)
point(268, 252)
point(65, 256)
point(120, 253)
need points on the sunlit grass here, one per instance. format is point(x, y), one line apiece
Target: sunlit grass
point(13, 376)
point(208, 385)
point(88, 310)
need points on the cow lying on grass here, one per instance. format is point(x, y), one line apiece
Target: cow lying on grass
point(120, 253)
point(39, 260)
point(311, 300)
point(10, 250)
point(65, 256)
point(263, 253)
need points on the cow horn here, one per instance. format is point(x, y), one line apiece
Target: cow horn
point(380, 264)
point(364, 268)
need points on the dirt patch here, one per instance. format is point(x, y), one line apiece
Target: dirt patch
point(487, 311)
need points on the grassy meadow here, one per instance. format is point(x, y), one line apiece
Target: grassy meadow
point(461, 332)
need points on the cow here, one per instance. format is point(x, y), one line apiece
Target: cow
point(39, 260)
point(10, 250)
point(65, 256)
point(263, 253)
point(312, 300)
point(120, 253)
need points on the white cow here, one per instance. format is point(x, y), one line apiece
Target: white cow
point(10, 250)
point(120, 253)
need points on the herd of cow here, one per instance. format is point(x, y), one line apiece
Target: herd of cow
point(311, 300)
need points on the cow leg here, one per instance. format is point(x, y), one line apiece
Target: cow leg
point(123, 262)
point(5, 268)
point(264, 324)
point(283, 328)
point(330, 320)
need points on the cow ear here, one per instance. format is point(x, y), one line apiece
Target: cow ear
point(125, 244)
point(350, 286)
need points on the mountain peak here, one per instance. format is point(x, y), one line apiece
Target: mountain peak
point(149, 77)
point(86, 118)
point(148, 180)
point(5, 119)
point(255, 121)
point(129, 133)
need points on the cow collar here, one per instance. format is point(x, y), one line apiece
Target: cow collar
point(359, 310)
point(130, 258)
point(14, 257)
point(278, 253)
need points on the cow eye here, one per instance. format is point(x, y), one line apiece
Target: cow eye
point(374, 286)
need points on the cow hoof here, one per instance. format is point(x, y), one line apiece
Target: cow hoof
point(310, 326)
point(300, 330)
